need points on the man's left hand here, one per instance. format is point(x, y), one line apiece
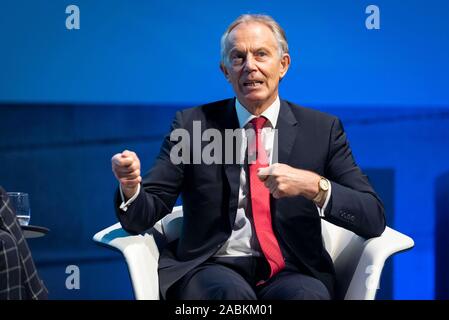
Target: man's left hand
point(285, 181)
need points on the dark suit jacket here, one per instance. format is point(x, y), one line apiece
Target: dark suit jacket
point(307, 139)
point(18, 275)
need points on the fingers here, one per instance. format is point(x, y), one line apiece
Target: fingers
point(124, 159)
point(276, 187)
point(266, 176)
point(120, 161)
point(129, 170)
point(271, 183)
point(127, 175)
point(264, 173)
point(127, 153)
point(126, 168)
point(273, 186)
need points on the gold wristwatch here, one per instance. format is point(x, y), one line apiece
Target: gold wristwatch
point(323, 187)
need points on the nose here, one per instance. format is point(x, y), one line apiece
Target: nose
point(250, 63)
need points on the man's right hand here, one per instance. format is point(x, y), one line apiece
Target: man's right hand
point(126, 168)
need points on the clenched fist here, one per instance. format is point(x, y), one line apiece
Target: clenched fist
point(285, 181)
point(126, 168)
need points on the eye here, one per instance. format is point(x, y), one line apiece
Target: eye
point(261, 53)
point(237, 58)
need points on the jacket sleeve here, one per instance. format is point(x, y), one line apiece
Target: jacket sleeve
point(159, 191)
point(353, 205)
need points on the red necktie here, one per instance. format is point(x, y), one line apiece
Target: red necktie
point(260, 201)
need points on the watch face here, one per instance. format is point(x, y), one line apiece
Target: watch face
point(324, 185)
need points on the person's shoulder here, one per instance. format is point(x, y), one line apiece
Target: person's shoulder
point(309, 114)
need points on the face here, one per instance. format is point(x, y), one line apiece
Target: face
point(254, 67)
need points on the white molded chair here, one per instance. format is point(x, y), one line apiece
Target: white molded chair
point(358, 262)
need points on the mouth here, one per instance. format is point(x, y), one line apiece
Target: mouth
point(252, 83)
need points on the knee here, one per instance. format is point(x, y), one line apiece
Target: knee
point(231, 291)
point(316, 290)
point(308, 295)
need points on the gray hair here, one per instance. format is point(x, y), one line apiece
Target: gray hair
point(277, 30)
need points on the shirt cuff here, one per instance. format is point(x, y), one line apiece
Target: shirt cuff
point(328, 196)
point(124, 206)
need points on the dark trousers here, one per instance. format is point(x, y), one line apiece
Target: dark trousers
point(236, 278)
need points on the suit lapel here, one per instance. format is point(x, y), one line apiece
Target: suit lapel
point(286, 131)
point(228, 120)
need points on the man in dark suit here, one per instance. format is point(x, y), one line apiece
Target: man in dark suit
point(251, 228)
point(18, 275)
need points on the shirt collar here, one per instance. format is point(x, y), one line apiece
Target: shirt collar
point(271, 113)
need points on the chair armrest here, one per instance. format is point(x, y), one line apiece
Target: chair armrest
point(141, 254)
point(376, 251)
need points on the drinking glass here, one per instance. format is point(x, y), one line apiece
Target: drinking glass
point(20, 202)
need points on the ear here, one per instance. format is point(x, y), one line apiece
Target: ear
point(225, 71)
point(285, 64)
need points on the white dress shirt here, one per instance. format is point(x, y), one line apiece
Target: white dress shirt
point(240, 241)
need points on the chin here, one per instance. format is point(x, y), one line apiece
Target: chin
point(255, 98)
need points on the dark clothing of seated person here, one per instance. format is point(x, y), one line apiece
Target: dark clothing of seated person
point(19, 279)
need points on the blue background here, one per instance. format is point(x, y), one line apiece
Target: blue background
point(70, 99)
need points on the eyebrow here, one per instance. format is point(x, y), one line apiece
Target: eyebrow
point(234, 49)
